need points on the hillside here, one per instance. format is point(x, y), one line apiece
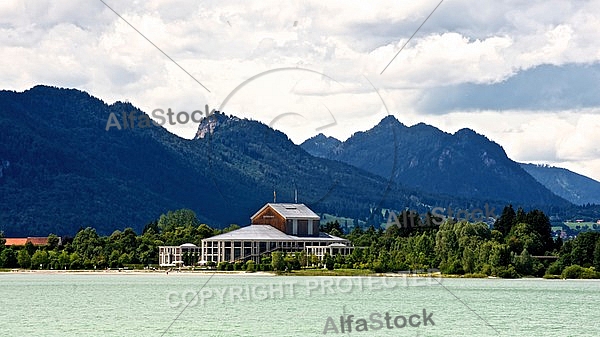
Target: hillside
point(572, 186)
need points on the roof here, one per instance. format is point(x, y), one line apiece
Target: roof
point(188, 245)
point(36, 241)
point(290, 211)
point(15, 241)
point(39, 241)
point(269, 233)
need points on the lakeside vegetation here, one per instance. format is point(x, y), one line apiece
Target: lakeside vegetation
point(510, 250)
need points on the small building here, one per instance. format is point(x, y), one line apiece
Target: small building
point(36, 241)
point(331, 249)
point(172, 256)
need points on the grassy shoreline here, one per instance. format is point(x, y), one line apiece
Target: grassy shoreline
point(300, 273)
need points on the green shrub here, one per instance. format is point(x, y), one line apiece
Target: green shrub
point(222, 265)
point(590, 273)
point(555, 268)
point(487, 269)
point(573, 272)
point(451, 267)
point(507, 272)
point(376, 266)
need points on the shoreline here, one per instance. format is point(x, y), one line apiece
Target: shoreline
point(236, 273)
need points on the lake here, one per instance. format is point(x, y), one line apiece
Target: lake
point(182, 304)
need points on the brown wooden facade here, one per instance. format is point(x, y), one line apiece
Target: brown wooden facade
point(269, 217)
point(298, 226)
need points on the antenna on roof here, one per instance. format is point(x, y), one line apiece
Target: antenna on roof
point(295, 191)
point(274, 196)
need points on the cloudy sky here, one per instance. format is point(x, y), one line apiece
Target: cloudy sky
point(523, 73)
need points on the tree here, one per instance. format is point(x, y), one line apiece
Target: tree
point(597, 256)
point(231, 228)
point(113, 259)
point(302, 258)
point(524, 263)
point(336, 232)
point(53, 241)
point(2, 241)
point(584, 247)
point(8, 258)
point(250, 266)
point(330, 226)
point(205, 231)
point(153, 225)
point(63, 260)
point(124, 259)
point(40, 259)
point(521, 216)
point(468, 261)
point(499, 255)
point(329, 262)
point(292, 262)
point(87, 244)
point(506, 220)
point(75, 261)
point(277, 261)
point(30, 248)
point(128, 241)
point(524, 236)
point(314, 260)
point(541, 225)
point(24, 259)
point(178, 218)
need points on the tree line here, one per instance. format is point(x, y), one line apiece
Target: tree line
point(510, 249)
point(88, 250)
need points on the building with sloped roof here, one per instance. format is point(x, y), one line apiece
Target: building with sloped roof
point(293, 219)
point(275, 227)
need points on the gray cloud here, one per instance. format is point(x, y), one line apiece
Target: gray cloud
point(545, 87)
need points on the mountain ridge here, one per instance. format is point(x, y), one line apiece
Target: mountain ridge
point(465, 164)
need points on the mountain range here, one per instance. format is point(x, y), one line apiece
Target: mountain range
point(62, 168)
point(422, 157)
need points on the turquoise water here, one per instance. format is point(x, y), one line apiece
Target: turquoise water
point(258, 305)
